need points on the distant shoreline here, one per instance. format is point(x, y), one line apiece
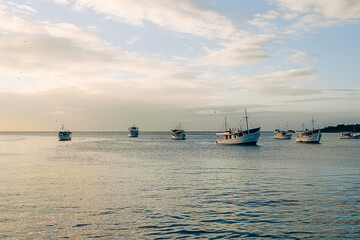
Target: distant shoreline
point(342, 128)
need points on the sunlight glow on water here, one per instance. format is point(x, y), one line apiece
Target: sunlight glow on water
point(105, 185)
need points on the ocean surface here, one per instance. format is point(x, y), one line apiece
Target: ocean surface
point(105, 185)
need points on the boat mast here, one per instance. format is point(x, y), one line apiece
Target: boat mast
point(225, 125)
point(312, 120)
point(247, 123)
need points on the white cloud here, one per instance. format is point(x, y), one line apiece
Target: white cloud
point(319, 13)
point(341, 9)
point(62, 2)
point(132, 40)
point(281, 83)
point(237, 47)
point(179, 16)
point(299, 57)
point(236, 53)
point(13, 23)
point(246, 49)
point(292, 75)
point(310, 21)
point(270, 15)
point(289, 16)
point(260, 23)
point(62, 55)
point(71, 72)
point(21, 8)
point(57, 112)
point(264, 20)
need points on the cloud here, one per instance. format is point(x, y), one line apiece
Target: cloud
point(80, 111)
point(340, 9)
point(180, 16)
point(299, 57)
point(263, 20)
point(311, 21)
point(232, 109)
point(293, 75)
point(354, 90)
point(15, 24)
point(132, 40)
point(58, 59)
point(71, 73)
point(281, 91)
point(21, 8)
point(57, 112)
point(235, 53)
point(244, 50)
point(337, 99)
point(289, 16)
point(319, 13)
point(279, 84)
point(236, 47)
point(62, 2)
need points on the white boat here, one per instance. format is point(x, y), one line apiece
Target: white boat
point(178, 133)
point(133, 131)
point(309, 136)
point(238, 136)
point(349, 135)
point(64, 135)
point(281, 134)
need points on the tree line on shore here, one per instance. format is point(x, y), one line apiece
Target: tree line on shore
point(342, 128)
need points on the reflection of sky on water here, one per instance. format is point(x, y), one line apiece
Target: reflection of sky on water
point(107, 185)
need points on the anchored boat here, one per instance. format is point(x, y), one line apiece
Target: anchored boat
point(178, 133)
point(349, 135)
point(309, 136)
point(238, 136)
point(283, 135)
point(133, 131)
point(64, 135)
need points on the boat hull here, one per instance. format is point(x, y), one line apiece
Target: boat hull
point(350, 137)
point(64, 138)
point(314, 138)
point(179, 136)
point(133, 134)
point(64, 135)
point(248, 139)
point(283, 137)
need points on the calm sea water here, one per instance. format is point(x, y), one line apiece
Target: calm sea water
point(106, 185)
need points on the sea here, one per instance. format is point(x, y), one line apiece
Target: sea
point(104, 185)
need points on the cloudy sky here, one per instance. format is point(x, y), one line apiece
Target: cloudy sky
point(102, 65)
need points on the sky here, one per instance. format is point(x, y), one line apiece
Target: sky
point(96, 65)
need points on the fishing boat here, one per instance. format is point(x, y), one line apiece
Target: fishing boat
point(349, 135)
point(281, 134)
point(178, 133)
point(238, 136)
point(133, 131)
point(64, 135)
point(309, 136)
